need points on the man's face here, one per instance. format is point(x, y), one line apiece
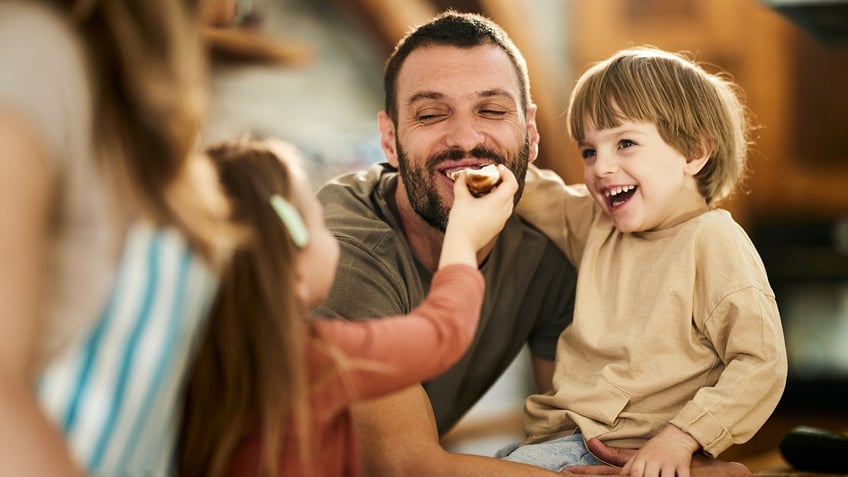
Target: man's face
point(457, 108)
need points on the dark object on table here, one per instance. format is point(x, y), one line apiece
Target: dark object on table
point(815, 450)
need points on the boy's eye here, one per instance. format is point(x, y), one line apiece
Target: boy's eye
point(625, 143)
point(587, 153)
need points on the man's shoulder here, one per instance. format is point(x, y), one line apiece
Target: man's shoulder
point(357, 211)
point(529, 236)
point(523, 247)
point(361, 183)
point(357, 197)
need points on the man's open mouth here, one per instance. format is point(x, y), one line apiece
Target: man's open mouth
point(453, 172)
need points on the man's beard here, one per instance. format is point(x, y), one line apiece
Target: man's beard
point(420, 181)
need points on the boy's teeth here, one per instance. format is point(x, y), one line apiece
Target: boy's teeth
point(618, 190)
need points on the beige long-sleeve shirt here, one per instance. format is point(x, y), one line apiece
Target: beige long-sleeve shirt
point(676, 326)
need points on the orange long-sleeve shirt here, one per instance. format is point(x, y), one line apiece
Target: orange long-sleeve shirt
point(380, 356)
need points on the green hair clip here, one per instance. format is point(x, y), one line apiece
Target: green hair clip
point(291, 219)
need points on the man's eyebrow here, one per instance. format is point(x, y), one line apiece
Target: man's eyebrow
point(496, 92)
point(424, 95)
point(488, 93)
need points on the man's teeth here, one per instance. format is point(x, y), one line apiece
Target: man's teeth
point(618, 190)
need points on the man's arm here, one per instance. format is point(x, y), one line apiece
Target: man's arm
point(397, 436)
point(543, 374)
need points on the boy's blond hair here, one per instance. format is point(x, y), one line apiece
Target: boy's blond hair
point(694, 111)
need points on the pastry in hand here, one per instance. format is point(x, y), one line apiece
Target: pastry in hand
point(480, 181)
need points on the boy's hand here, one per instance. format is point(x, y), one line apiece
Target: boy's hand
point(668, 454)
point(702, 466)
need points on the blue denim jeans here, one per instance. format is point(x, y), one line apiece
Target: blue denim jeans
point(553, 455)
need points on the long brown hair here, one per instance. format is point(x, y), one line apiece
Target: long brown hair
point(250, 371)
point(148, 68)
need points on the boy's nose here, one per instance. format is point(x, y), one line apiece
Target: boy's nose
point(605, 164)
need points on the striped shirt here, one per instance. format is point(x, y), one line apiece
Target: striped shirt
point(116, 390)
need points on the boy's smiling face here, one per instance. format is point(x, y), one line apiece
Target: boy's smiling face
point(638, 179)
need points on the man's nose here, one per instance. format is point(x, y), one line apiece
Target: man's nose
point(464, 135)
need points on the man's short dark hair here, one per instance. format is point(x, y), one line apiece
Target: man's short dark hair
point(462, 30)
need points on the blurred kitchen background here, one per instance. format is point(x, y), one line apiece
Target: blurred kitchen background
point(310, 71)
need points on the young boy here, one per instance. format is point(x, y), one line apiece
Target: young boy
point(676, 345)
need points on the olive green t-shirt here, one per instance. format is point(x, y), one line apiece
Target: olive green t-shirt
point(529, 295)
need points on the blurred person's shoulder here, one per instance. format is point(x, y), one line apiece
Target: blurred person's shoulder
point(43, 25)
point(44, 74)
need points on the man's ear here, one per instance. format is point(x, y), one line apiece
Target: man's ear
point(388, 138)
point(532, 133)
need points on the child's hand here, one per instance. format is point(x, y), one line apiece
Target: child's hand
point(475, 221)
point(482, 218)
point(668, 454)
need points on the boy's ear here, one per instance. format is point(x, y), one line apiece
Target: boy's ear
point(695, 164)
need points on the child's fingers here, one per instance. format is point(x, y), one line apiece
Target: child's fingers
point(460, 188)
point(499, 202)
point(503, 192)
point(508, 179)
point(506, 188)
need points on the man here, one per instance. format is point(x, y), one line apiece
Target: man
point(457, 96)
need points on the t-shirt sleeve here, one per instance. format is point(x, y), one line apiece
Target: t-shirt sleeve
point(556, 309)
point(390, 354)
point(365, 286)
